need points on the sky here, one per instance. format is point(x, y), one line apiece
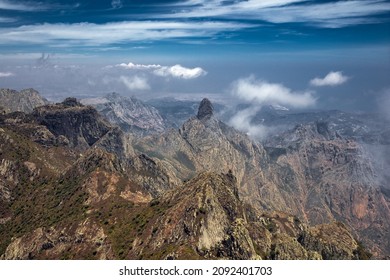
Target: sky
point(294, 53)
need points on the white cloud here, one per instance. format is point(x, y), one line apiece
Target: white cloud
point(235, 9)
point(28, 6)
point(176, 71)
point(332, 79)
point(7, 5)
point(90, 34)
point(116, 4)
point(7, 19)
point(135, 82)
point(264, 93)
point(179, 71)
point(259, 93)
point(242, 121)
point(334, 14)
point(131, 65)
point(330, 15)
point(6, 74)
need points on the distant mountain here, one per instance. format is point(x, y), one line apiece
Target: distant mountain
point(366, 128)
point(129, 113)
point(23, 101)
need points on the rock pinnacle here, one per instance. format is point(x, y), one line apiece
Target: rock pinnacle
point(205, 110)
point(71, 102)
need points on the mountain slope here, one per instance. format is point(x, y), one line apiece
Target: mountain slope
point(203, 219)
point(51, 185)
point(24, 101)
point(206, 219)
point(335, 180)
point(129, 113)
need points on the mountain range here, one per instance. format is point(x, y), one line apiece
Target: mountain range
point(73, 185)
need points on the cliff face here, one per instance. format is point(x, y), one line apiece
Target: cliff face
point(129, 113)
point(82, 126)
point(24, 101)
point(334, 180)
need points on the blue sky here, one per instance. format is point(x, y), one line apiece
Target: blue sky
point(202, 48)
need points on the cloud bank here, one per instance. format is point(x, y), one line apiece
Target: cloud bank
point(331, 79)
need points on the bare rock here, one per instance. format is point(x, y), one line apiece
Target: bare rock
point(206, 110)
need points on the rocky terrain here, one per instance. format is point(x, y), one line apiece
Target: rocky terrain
point(73, 186)
point(335, 179)
point(129, 113)
point(23, 101)
point(94, 212)
point(310, 171)
point(362, 127)
point(205, 219)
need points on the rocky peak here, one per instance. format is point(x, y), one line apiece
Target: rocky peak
point(324, 129)
point(71, 102)
point(206, 110)
point(81, 125)
point(114, 96)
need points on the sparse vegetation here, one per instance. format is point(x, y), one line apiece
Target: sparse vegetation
point(71, 192)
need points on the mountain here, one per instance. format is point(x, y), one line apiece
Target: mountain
point(50, 183)
point(369, 128)
point(78, 190)
point(205, 219)
point(129, 113)
point(24, 101)
point(81, 126)
point(334, 179)
point(310, 171)
point(103, 216)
